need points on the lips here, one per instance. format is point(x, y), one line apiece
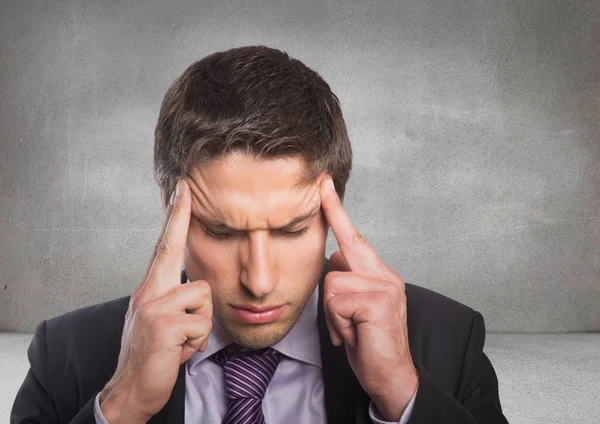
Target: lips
point(257, 309)
point(251, 314)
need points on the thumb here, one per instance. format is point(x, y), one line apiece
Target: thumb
point(337, 262)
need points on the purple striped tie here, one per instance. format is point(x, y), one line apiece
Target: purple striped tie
point(247, 375)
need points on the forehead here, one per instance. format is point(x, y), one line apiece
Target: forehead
point(245, 192)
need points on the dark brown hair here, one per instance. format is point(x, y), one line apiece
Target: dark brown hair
point(255, 99)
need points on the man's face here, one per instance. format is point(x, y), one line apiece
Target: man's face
point(255, 262)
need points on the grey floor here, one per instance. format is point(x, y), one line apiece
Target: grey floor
point(544, 378)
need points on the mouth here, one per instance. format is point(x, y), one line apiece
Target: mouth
point(251, 314)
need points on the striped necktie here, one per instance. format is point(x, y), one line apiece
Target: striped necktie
point(247, 375)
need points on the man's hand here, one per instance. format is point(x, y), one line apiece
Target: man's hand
point(158, 334)
point(365, 307)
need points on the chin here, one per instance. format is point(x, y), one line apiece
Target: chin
point(259, 335)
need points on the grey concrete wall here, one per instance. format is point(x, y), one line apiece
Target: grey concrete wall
point(474, 125)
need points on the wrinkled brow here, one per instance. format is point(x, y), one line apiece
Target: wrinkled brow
point(220, 226)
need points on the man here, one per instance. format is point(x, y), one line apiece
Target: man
point(252, 157)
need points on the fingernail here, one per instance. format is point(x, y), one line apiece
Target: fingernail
point(335, 339)
point(330, 184)
point(175, 193)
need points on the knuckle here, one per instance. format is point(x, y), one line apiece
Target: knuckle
point(354, 238)
point(208, 324)
point(144, 313)
point(202, 325)
point(203, 287)
point(357, 236)
point(198, 288)
point(330, 288)
point(162, 248)
point(332, 278)
point(333, 302)
point(392, 291)
point(195, 342)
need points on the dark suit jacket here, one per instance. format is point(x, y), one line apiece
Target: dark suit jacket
point(74, 355)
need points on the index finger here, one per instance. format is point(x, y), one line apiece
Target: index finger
point(357, 252)
point(168, 254)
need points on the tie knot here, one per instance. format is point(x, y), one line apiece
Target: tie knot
point(248, 373)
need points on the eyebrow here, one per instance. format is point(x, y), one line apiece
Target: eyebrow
point(220, 226)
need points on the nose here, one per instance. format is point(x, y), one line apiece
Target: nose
point(259, 275)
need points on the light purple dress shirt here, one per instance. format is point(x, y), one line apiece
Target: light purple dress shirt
point(295, 394)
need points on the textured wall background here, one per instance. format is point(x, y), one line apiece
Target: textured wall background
point(475, 127)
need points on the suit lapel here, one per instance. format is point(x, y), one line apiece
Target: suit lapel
point(345, 399)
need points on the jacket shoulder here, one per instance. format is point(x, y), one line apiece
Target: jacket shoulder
point(89, 325)
point(72, 356)
point(439, 331)
point(433, 309)
point(82, 349)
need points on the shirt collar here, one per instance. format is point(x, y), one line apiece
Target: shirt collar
point(301, 343)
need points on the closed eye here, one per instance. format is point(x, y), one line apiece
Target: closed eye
point(223, 236)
